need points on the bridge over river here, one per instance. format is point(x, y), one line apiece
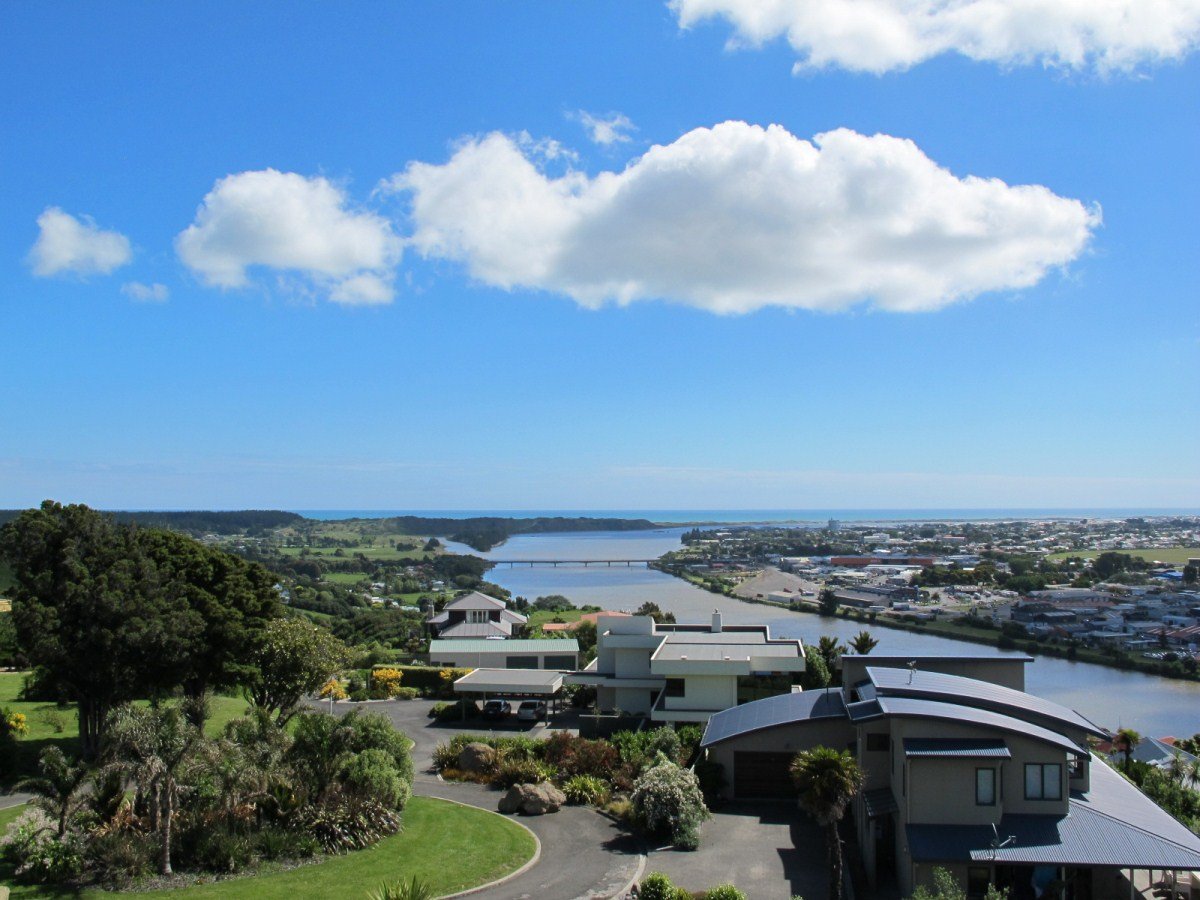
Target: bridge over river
point(512, 563)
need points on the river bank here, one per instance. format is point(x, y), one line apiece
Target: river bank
point(979, 631)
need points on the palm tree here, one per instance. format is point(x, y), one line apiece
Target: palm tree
point(1193, 773)
point(831, 649)
point(1126, 739)
point(153, 746)
point(56, 790)
point(863, 643)
point(1177, 768)
point(828, 780)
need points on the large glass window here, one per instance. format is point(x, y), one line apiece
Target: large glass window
point(1043, 781)
point(985, 787)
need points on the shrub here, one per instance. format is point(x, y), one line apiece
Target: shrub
point(453, 712)
point(656, 886)
point(585, 790)
point(372, 774)
point(343, 823)
point(52, 719)
point(521, 771)
point(32, 845)
point(359, 695)
point(689, 738)
point(445, 756)
point(413, 889)
point(385, 682)
point(217, 849)
point(279, 843)
point(118, 858)
point(724, 892)
point(406, 693)
point(578, 756)
point(667, 801)
point(666, 741)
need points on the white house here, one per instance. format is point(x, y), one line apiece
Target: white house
point(685, 673)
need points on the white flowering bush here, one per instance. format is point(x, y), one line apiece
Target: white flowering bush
point(667, 800)
point(32, 845)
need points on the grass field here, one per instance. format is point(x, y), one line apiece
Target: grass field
point(541, 617)
point(451, 847)
point(43, 720)
point(1176, 556)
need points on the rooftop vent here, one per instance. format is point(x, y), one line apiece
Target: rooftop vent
point(716, 621)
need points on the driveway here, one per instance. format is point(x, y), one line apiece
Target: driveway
point(584, 854)
point(771, 851)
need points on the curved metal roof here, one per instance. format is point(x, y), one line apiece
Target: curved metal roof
point(912, 708)
point(785, 709)
point(976, 693)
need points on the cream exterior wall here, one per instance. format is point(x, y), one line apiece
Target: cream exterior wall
point(705, 692)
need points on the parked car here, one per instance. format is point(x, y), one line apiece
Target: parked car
point(496, 709)
point(532, 710)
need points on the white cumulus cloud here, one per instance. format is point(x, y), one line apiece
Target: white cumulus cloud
point(76, 245)
point(885, 35)
point(608, 129)
point(737, 217)
point(146, 293)
point(296, 225)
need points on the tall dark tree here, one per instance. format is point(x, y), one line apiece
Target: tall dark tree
point(230, 600)
point(88, 607)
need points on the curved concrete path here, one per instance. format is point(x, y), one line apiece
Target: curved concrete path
point(584, 854)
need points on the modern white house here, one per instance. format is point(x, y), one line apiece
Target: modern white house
point(561, 654)
point(685, 673)
point(475, 616)
point(967, 774)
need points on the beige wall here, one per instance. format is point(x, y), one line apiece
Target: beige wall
point(835, 733)
point(632, 663)
point(712, 692)
point(634, 700)
point(942, 792)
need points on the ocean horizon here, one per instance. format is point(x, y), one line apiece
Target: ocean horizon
point(763, 516)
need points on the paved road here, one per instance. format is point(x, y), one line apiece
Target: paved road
point(771, 851)
point(584, 854)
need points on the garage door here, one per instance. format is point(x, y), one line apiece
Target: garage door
point(762, 775)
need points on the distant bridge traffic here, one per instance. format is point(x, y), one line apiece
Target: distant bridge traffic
point(629, 563)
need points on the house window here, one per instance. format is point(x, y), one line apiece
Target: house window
point(1043, 781)
point(674, 687)
point(985, 787)
point(477, 616)
point(1078, 767)
point(879, 742)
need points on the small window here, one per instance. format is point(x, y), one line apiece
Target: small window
point(674, 687)
point(879, 742)
point(1043, 781)
point(985, 787)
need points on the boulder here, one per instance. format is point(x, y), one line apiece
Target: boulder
point(532, 799)
point(476, 758)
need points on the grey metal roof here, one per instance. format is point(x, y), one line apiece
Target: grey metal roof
point(476, 600)
point(476, 630)
point(1114, 824)
point(908, 707)
point(973, 692)
point(782, 710)
point(965, 748)
point(880, 802)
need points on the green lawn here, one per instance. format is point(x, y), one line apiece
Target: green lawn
point(1177, 556)
point(540, 617)
point(449, 846)
point(43, 719)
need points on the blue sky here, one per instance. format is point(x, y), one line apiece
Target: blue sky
point(739, 318)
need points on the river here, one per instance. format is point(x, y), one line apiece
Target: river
point(1110, 697)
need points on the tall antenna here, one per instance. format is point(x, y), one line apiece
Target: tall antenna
point(997, 844)
point(912, 667)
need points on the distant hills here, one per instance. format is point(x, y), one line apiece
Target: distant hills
point(482, 533)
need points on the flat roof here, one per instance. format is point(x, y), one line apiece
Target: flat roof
point(542, 682)
point(677, 650)
point(484, 645)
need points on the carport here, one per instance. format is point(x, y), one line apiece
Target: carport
point(517, 684)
